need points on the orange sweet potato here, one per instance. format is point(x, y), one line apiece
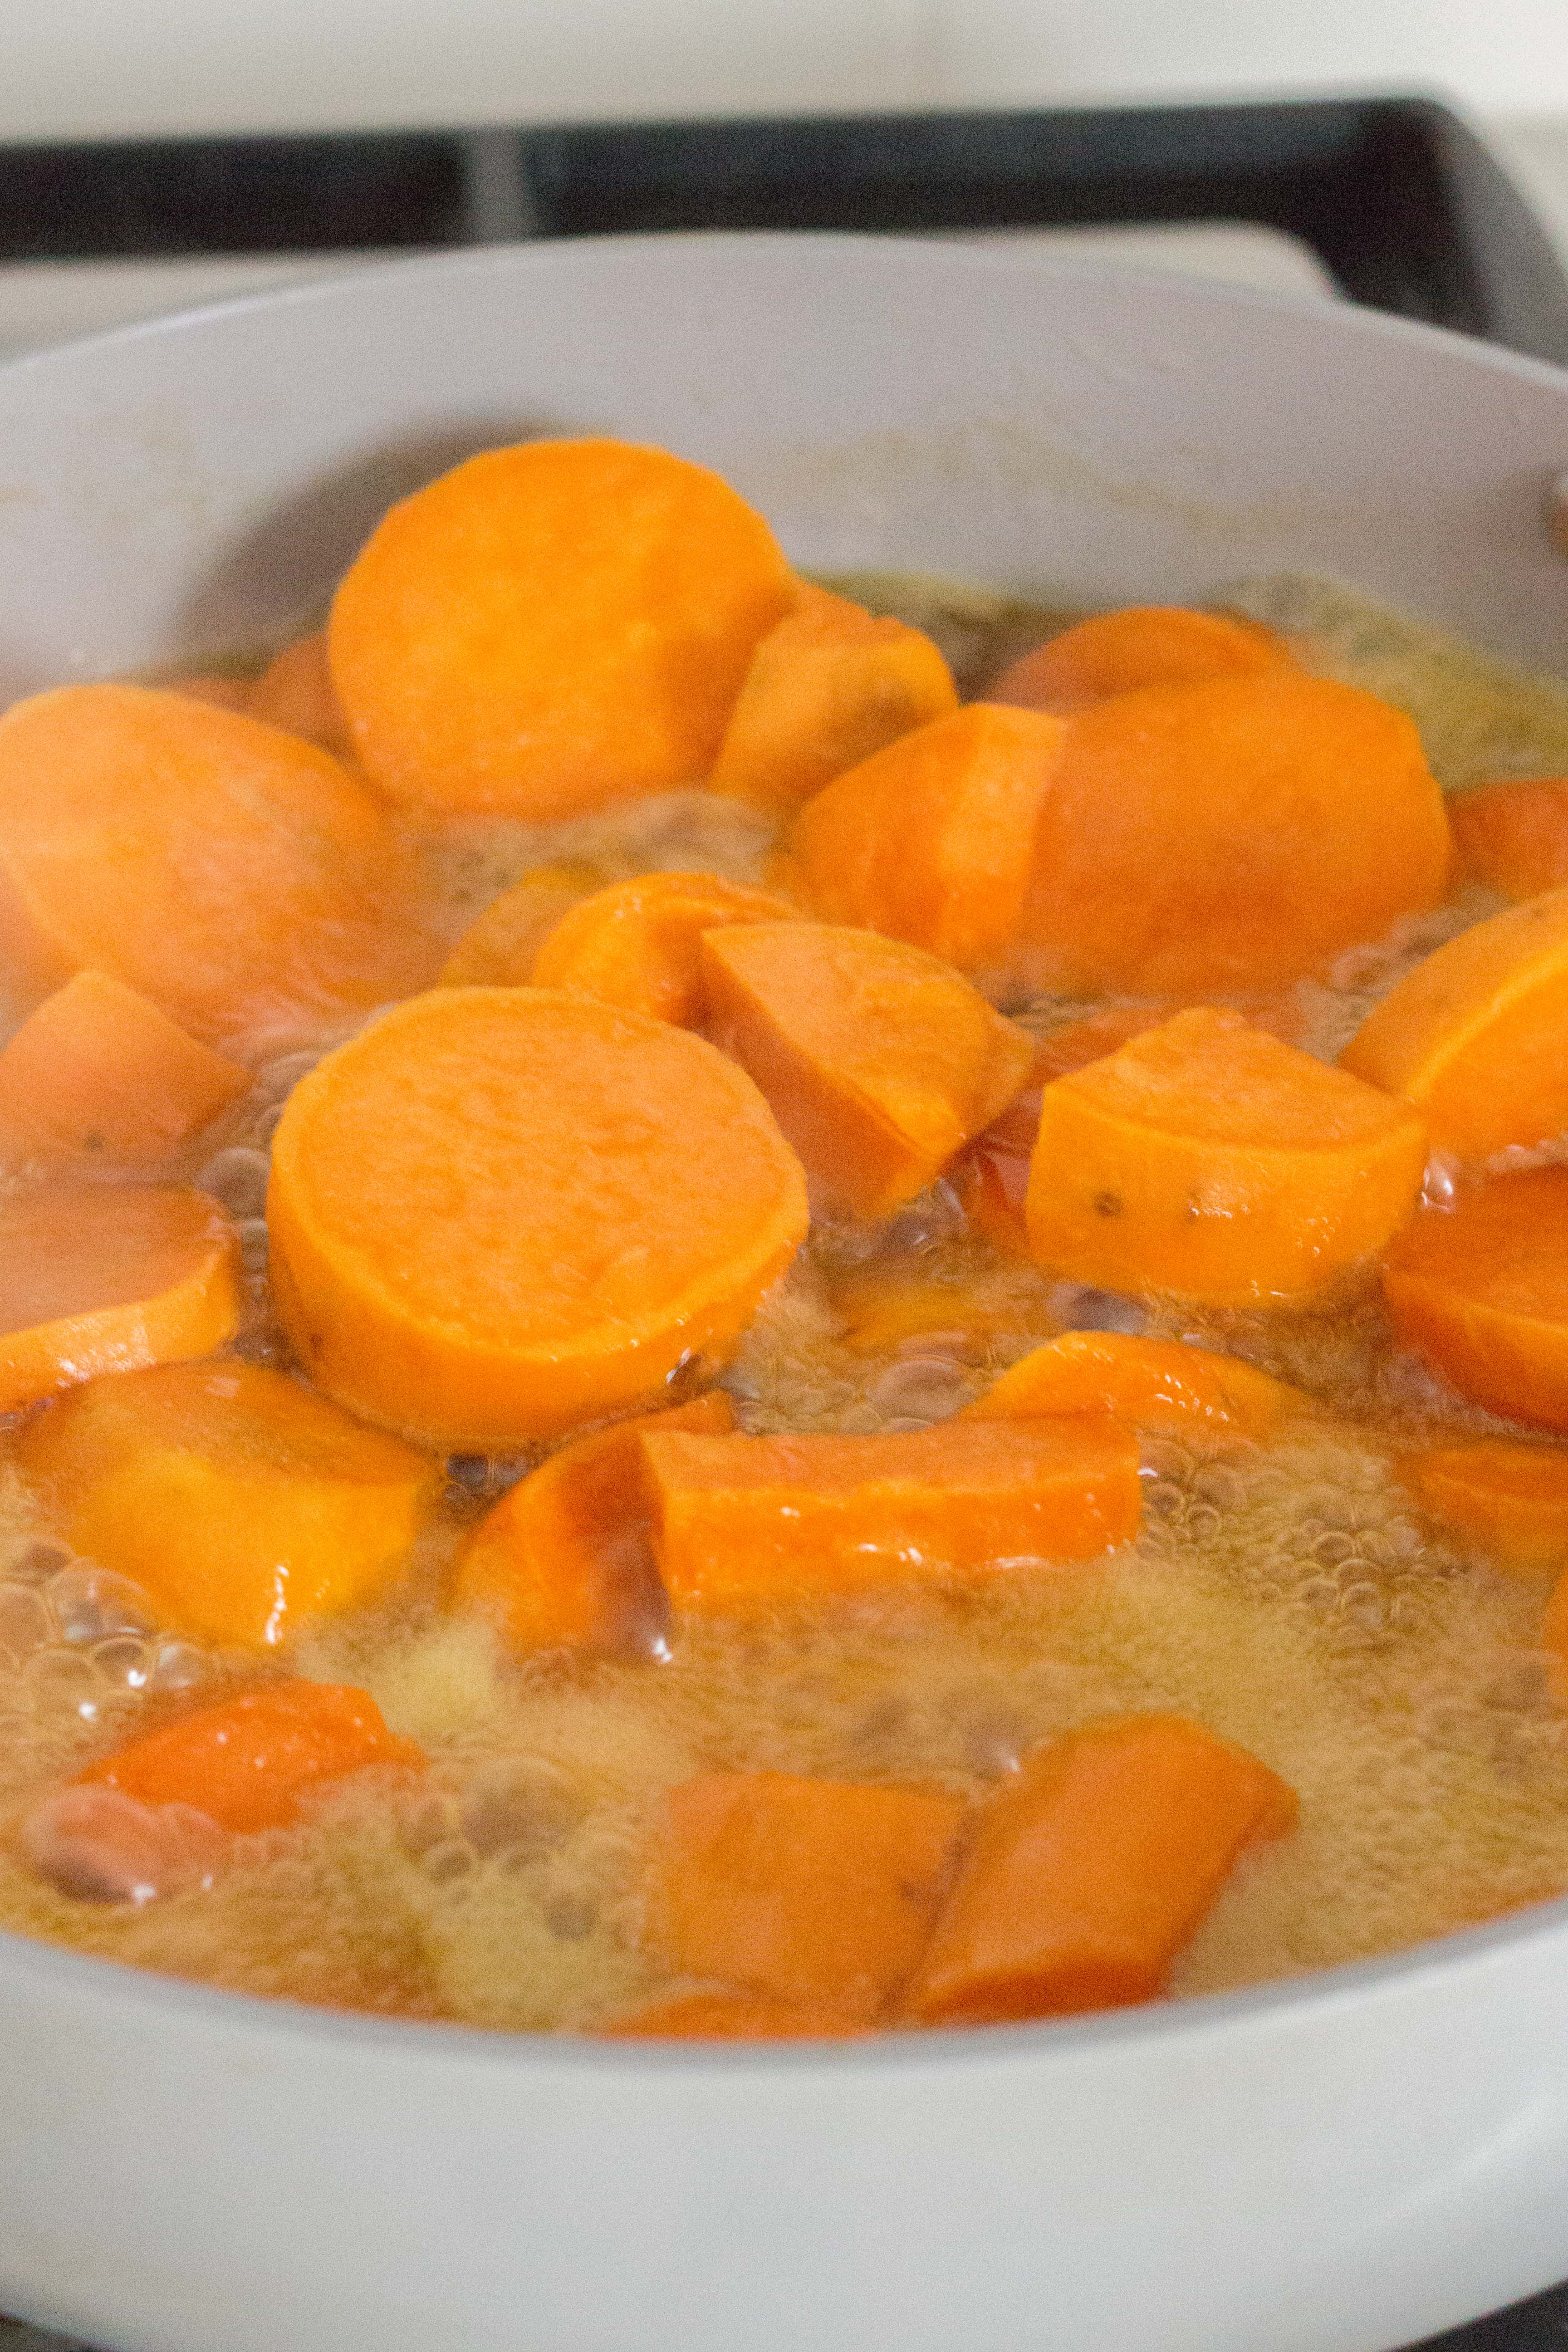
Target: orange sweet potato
point(817, 1892)
point(742, 1523)
point(1480, 1290)
point(1141, 645)
point(991, 1175)
point(240, 877)
point(250, 1762)
point(502, 1211)
point(1473, 1036)
point(1087, 1875)
point(932, 839)
point(497, 949)
point(1227, 837)
point(731, 2017)
point(295, 691)
point(878, 1061)
point(245, 1505)
point(99, 1073)
point(1157, 1384)
point(1208, 1160)
point(829, 684)
point(1514, 837)
point(552, 627)
point(107, 1278)
point(637, 943)
point(566, 1558)
point(1509, 1500)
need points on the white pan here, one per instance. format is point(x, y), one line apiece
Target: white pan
point(1335, 2166)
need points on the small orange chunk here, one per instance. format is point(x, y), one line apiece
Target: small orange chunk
point(931, 840)
point(500, 1212)
point(879, 1060)
point(99, 1073)
point(1473, 1036)
point(817, 1892)
point(635, 943)
point(497, 949)
point(250, 1762)
point(1511, 1500)
point(566, 1558)
point(829, 684)
point(295, 691)
point(244, 1504)
point(730, 2016)
point(742, 1523)
point(1209, 1161)
point(108, 1278)
point(1157, 1384)
point(1089, 1872)
point(1141, 645)
point(884, 1306)
point(1514, 837)
point(1227, 837)
point(552, 627)
point(1480, 1290)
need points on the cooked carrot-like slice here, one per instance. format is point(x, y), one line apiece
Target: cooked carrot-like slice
point(1088, 1875)
point(637, 943)
point(566, 1558)
point(1480, 1290)
point(991, 1175)
point(821, 1892)
point(827, 686)
point(879, 1060)
point(1473, 1036)
point(501, 1211)
point(1228, 837)
point(886, 1305)
point(296, 691)
point(108, 1278)
point(1157, 1384)
point(731, 2017)
point(1514, 837)
point(497, 949)
point(248, 1762)
point(551, 627)
point(239, 877)
point(1207, 1159)
point(98, 1072)
point(244, 1504)
point(742, 1523)
point(932, 839)
point(1512, 1500)
point(1141, 645)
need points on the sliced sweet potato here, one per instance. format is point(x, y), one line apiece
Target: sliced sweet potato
point(1139, 645)
point(636, 944)
point(1209, 1161)
point(1513, 836)
point(551, 627)
point(502, 1211)
point(932, 839)
point(1157, 1384)
point(498, 947)
point(295, 691)
point(108, 1278)
point(1480, 1290)
point(742, 1523)
point(98, 1072)
point(245, 1505)
point(1511, 1500)
point(878, 1061)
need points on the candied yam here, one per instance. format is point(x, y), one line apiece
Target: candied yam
point(485, 1224)
point(1141, 645)
point(1159, 1384)
point(99, 1073)
point(551, 627)
point(742, 1523)
point(237, 876)
point(817, 1892)
point(497, 949)
point(1513, 836)
point(245, 1505)
point(249, 1763)
point(829, 684)
point(1509, 1500)
point(1480, 1290)
point(109, 1279)
point(879, 1060)
point(1473, 1036)
point(566, 1559)
point(1209, 1161)
point(932, 839)
point(637, 943)
point(1089, 1872)
point(295, 691)
point(731, 2017)
point(1228, 837)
